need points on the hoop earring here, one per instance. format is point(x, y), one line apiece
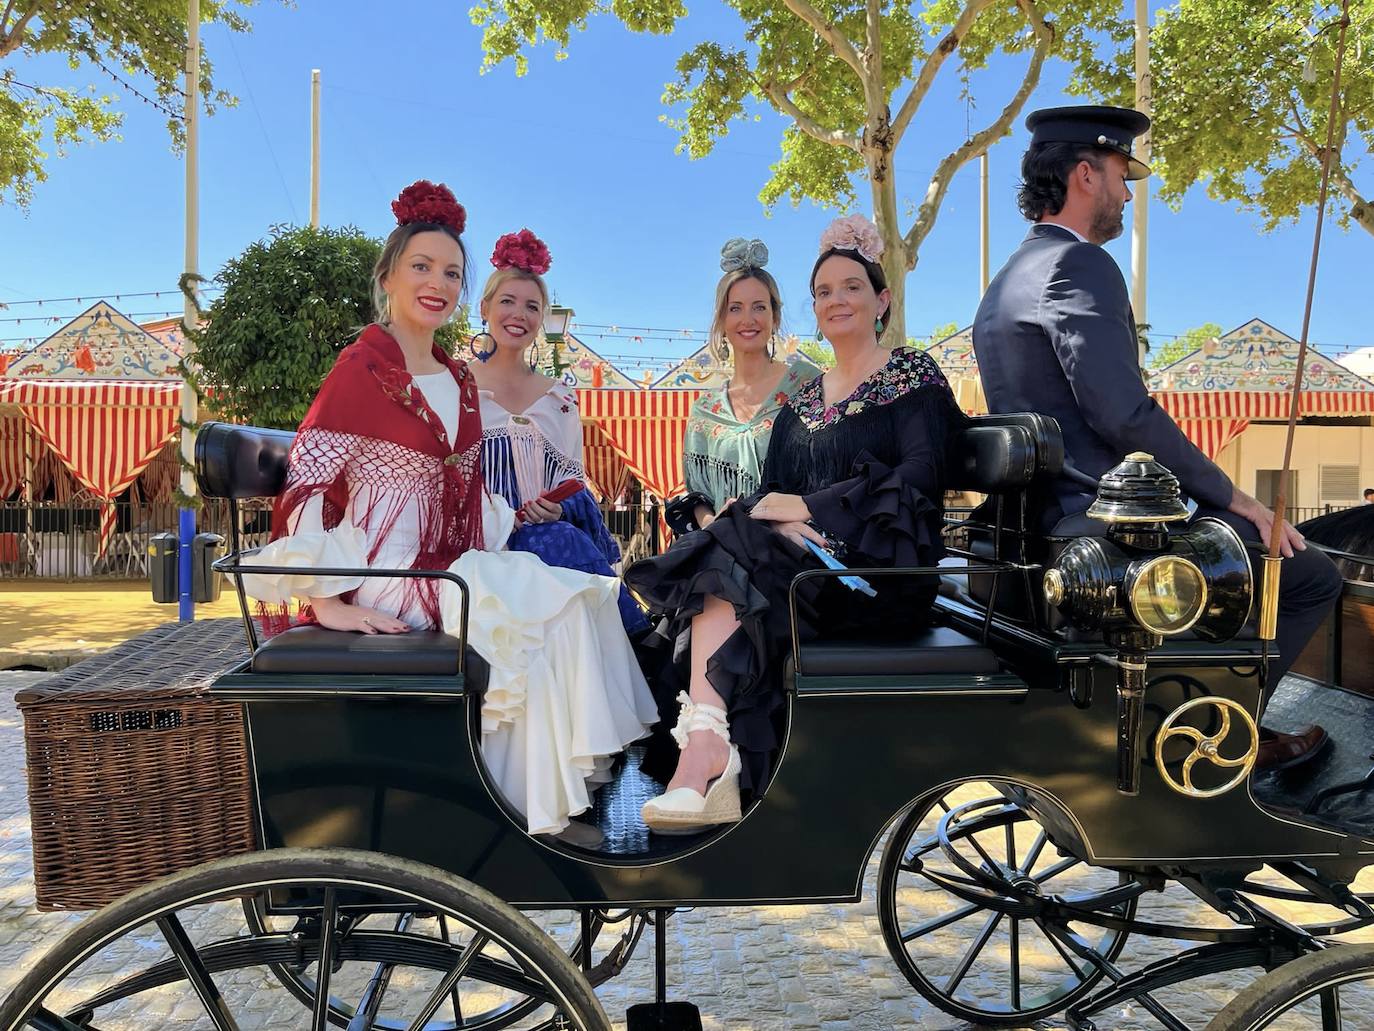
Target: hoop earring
point(483, 355)
point(534, 357)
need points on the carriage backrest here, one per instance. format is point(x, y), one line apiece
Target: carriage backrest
point(995, 454)
point(241, 461)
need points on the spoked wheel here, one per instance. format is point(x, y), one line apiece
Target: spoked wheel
point(565, 930)
point(1332, 990)
point(977, 908)
point(410, 947)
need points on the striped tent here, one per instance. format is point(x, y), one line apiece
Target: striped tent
point(1246, 376)
point(104, 433)
point(644, 428)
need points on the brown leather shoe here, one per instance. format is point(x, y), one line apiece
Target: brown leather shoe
point(1281, 751)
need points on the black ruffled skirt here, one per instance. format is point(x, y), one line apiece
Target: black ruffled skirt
point(750, 565)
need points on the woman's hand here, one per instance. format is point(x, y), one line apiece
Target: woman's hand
point(337, 614)
point(541, 510)
point(781, 508)
point(799, 533)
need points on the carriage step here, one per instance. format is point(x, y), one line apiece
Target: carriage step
point(663, 1016)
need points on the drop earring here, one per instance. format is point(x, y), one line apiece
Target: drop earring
point(878, 326)
point(820, 337)
point(485, 354)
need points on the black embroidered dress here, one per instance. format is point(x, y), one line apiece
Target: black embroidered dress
point(871, 469)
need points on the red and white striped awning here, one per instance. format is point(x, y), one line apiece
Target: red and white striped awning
point(1212, 419)
point(1248, 404)
point(14, 433)
point(105, 433)
point(645, 428)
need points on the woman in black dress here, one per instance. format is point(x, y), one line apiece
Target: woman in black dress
point(855, 465)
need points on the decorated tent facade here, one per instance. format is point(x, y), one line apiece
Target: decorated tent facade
point(1246, 376)
point(101, 395)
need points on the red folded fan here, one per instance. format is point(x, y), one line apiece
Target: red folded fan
point(558, 494)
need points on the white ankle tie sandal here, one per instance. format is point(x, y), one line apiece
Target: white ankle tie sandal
point(683, 810)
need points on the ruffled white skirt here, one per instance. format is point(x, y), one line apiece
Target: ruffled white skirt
point(565, 694)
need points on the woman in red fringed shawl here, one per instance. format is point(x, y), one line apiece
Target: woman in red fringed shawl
point(385, 472)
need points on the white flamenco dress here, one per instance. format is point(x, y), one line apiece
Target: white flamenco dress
point(565, 694)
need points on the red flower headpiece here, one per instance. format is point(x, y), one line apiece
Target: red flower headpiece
point(522, 250)
point(425, 201)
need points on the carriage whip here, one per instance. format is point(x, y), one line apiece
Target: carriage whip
point(1269, 598)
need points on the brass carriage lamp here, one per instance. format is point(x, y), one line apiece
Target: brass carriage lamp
point(1140, 584)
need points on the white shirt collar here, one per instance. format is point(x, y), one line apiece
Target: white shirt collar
point(1068, 229)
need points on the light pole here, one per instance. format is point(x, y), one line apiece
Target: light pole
point(186, 521)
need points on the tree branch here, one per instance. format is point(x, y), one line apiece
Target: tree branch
point(11, 38)
point(926, 77)
point(981, 140)
point(842, 47)
point(807, 124)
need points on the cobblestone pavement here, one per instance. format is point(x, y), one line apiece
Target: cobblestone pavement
point(763, 969)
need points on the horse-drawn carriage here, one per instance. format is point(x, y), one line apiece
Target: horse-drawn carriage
point(1075, 731)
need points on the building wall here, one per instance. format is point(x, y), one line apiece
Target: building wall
point(1261, 447)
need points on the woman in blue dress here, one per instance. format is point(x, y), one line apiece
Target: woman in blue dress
point(531, 430)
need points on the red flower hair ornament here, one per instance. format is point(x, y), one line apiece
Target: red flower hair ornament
point(522, 250)
point(425, 201)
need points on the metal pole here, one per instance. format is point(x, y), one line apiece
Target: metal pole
point(985, 249)
point(1140, 212)
point(186, 523)
point(314, 148)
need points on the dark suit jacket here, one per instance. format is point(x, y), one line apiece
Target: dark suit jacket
point(1054, 334)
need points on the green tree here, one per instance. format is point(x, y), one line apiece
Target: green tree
point(139, 46)
point(290, 303)
point(1242, 95)
point(849, 74)
point(935, 336)
point(1185, 344)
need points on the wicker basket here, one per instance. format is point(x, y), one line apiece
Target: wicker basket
point(134, 772)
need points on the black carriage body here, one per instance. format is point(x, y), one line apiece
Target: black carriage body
point(390, 765)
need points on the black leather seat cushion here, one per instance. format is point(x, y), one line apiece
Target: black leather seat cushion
point(932, 650)
point(313, 649)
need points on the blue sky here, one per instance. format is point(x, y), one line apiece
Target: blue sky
point(575, 151)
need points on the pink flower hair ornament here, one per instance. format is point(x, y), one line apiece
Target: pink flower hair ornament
point(424, 201)
point(853, 233)
point(523, 251)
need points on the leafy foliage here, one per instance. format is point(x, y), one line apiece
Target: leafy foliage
point(850, 74)
point(140, 47)
point(290, 304)
point(1185, 344)
point(1242, 97)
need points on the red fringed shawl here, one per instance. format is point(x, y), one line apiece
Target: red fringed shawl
point(370, 426)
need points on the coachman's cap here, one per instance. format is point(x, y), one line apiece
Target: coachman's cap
point(1112, 128)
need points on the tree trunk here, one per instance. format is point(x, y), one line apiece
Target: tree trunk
point(895, 262)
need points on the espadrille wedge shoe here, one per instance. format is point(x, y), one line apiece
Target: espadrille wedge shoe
point(683, 810)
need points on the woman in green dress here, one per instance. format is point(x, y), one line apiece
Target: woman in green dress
point(728, 429)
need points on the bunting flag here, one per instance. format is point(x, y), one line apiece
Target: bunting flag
point(104, 433)
point(645, 428)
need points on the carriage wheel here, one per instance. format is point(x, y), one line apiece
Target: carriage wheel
point(560, 925)
point(178, 950)
point(969, 943)
point(1332, 990)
